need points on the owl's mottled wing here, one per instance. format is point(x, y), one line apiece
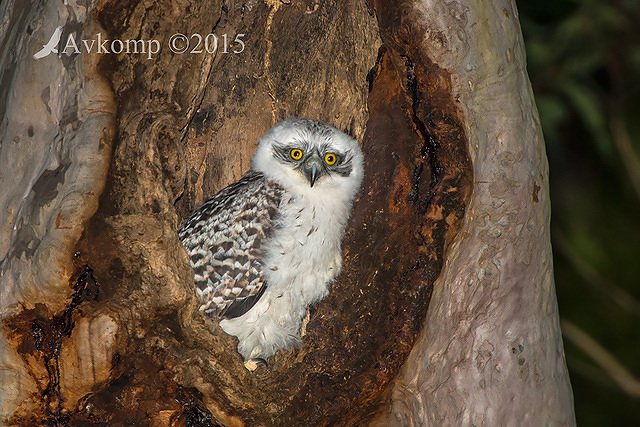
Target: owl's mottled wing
point(223, 239)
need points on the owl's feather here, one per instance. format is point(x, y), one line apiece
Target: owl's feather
point(223, 239)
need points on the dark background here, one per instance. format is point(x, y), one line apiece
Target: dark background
point(584, 63)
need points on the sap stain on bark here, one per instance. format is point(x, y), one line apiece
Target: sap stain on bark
point(40, 336)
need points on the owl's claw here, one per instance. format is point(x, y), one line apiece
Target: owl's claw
point(253, 364)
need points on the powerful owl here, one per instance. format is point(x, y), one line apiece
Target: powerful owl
point(267, 246)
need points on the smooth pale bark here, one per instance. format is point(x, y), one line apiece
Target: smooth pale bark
point(491, 350)
point(58, 121)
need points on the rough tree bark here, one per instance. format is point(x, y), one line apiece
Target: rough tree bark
point(445, 312)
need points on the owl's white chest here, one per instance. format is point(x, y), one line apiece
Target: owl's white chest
point(303, 254)
point(301, 258)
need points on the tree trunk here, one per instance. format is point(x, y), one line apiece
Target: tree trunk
point(445, 310)
point(490, 351)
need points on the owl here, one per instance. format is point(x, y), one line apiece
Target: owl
point(268, 246)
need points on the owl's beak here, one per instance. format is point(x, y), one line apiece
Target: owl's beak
point(312, 169)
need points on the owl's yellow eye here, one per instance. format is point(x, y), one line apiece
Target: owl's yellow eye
point(330, 159)
point(296, 154)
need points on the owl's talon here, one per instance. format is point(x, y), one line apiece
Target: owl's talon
point(253, 364)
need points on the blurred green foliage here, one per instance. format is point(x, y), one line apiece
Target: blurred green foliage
point(584, 64)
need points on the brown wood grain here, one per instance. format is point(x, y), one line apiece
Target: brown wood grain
point(187, 126)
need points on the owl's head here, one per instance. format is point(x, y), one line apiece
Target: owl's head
point(308, 156)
